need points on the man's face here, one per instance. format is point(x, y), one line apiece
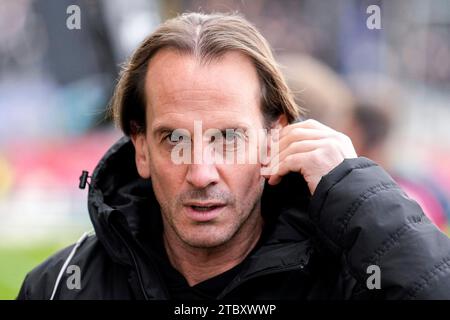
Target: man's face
point(205, 204)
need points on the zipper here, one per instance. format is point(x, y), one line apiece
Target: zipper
point(299, 265)
point(240, 281)
point(133, 258)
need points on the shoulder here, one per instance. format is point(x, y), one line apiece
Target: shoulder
point(87, 253)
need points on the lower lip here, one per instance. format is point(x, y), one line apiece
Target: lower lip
point(203, 216)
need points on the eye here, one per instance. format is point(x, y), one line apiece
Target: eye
point(176, 137)
point(233, 139)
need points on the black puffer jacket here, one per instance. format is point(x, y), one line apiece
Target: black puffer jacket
point(315, 247)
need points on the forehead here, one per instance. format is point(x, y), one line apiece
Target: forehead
point(179, 90)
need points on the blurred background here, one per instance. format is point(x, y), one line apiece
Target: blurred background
point(388, 89)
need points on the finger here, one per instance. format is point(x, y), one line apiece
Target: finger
point(297, 147)
point(307, 124)
point(293, 163)
point(298, 134)
point(313, 124)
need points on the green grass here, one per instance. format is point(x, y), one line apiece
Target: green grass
point(16, 262)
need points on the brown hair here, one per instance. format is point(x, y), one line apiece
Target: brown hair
point(206, 36)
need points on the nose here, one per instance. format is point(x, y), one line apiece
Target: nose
point(201, 175)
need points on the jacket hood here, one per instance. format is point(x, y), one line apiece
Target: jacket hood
point(125, 212)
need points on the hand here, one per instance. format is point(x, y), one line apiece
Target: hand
point(309, 148)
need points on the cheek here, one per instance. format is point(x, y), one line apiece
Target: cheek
point(160, 161)
point(167, 178)
point(245, 181)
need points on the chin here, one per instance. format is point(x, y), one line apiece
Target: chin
point(205, 237)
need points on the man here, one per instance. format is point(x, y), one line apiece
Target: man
point(312, 221)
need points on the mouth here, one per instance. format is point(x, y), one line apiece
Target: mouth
point(205, 208)
point(203, 212)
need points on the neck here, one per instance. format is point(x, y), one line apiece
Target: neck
point(200, 264)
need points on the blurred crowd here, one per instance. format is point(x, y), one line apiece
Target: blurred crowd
point(388, 89)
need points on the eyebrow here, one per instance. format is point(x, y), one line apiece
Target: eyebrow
point(235, 128)
point(160, 129)
point(163, 128)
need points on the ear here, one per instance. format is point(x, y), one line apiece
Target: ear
point(276, 127)
point(281, 122)
point(142, 156)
